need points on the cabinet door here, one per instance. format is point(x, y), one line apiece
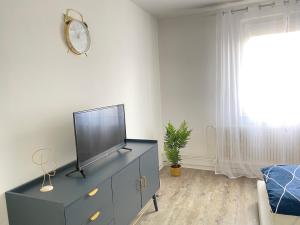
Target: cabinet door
point(149, 168)
point(126, 194)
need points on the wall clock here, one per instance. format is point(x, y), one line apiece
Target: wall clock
point(77, 35)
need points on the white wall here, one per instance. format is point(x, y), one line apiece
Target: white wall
point(187, 47)
point(41, 84)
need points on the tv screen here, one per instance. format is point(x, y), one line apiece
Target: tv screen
point(97, 132)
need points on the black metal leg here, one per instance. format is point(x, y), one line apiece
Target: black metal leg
point(155, 202)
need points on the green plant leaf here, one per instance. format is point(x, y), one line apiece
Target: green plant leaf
point(175, 140)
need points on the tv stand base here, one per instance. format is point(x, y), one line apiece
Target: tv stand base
point(129, 149)
point(75, 171)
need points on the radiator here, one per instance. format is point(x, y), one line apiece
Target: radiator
point(263, 145)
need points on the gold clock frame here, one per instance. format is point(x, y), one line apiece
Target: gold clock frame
point(67, 21)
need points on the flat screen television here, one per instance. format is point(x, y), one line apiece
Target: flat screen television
point(98, 132)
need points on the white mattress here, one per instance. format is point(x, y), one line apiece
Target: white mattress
point(266, 216)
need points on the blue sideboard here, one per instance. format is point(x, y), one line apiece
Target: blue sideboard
point(114, 191)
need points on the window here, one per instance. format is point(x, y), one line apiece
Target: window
point(269, 84)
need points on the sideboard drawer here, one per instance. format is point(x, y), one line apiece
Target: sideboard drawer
point(95, 208)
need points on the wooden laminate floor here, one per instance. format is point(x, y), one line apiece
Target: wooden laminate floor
point(203, 198)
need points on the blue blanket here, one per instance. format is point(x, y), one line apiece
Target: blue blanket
point(283, 187)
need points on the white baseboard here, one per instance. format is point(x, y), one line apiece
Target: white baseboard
point(162, 165)
point(195, 162)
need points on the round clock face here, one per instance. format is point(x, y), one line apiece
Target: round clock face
point(78, 37)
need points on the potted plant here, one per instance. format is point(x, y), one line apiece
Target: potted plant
point(174, 141)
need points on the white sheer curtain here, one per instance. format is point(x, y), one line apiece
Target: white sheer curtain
point(258, 85)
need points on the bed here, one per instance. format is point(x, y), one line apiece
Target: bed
point(266, 216)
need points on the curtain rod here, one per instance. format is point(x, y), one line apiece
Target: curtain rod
point(260, 6)
point(239, 10)
point(269, 5)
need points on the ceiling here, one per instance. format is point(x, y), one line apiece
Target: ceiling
point(164, 8)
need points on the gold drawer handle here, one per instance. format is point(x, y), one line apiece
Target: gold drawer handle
point(95, 216)
point(93, 192)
